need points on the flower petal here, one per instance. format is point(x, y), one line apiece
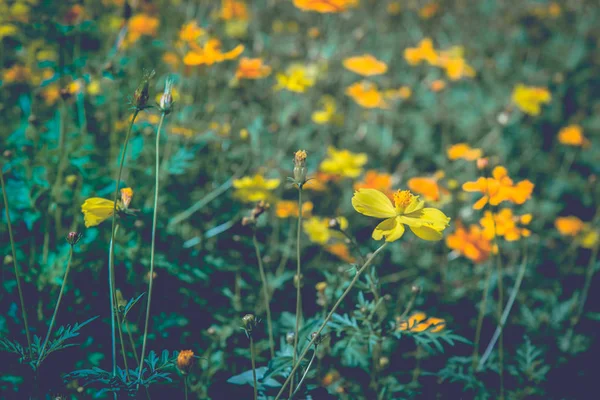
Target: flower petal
point(373, 203)
point(95, 210)
point(427, 233)
point(390, 229)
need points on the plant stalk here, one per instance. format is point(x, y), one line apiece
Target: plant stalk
point(266, 295)
point(305, 372)
point(298, 286)
point(482, 307)
point(253, 356)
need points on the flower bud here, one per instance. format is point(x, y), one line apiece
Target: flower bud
point(142, 93)
point(249, 321)
point(298, 280)
point(73, 238)
point(317, 337)
point(185, 362)
point(289, 338)
point(334, 224)
point(126, 195)
point(300, 168)
point(415, 289)
point(166, 100)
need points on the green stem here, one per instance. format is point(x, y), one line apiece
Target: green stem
point(14, 257)
point(41, 354)
point(482, 307)
point(185, 385)
point(252, 356)
point(328, 318)
point(123, 353)
point(153, 243)
point(298, 285)
point(305, 372)
point(500, 310)
point(266, 295)
point(131, 341)
point(111, 256)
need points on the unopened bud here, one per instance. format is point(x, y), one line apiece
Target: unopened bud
point(126, 195)
point(142, 93)
point(300, 168)
point(73, 238)
point(185, 360)
point(298, 280)
point(416, 289)
point(249, 322)
point(334, 224)
point(166, 100)
point(289, 338)
point(317, 338)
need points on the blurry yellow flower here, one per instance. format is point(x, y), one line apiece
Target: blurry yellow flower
point(253, 189)
point(589, 238)
point(50, 94)
point(504, 224)
point(455, 65)
point(343, 163)
point(429, 10)
point(365, 65)
point(96, 210)
point(181, 131)
point(233, 10)
point(366, 95)
point(325, 6)
point(418, 322)
point(297, 78)
point(529, 98)
point(318, 231)
point(394, 8)
point(210, 53)
point(407, 209)
point(464, 151)
point(288, 208)
point(16, 74)
point(499, 188)
point(314, 32)
point(471, 244)
point(424, 52)
point(252, 68)
point(75, 87)
point(141, 25)
point(319, 181)
point(327, 114)
point(171, 59)
point(403, 92)
point(19, 11)
point(572, 135)
point(376, 180)
point(569, 226)
point(190, 32)
point(7, 30)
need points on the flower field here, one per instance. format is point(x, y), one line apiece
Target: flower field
point(299, 199)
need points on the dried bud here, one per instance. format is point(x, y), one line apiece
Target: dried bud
point(256, 212)
point(384, 362)
point(249, 321)
point(142, 93)
point(300, 168)
point(73, 238)
point(185, 360)
point(166, 101)
point(289, 338)
point(126, 195)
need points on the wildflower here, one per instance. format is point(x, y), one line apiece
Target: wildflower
point(325, 6)
point(185, 362)
point(250, 322)
point(252, 68)
point(7, 30)
point(141, 25)
point(464, 151)
point(418, 322)
point(429, 10)
point(190, 32)
point(429, 187)
point(569, 226)
point(343, 163)
point(407, 209)
point(210, 53)
point(470, 243)
point(297, 78)
point(366, 95)
point(233, 10)
point(96, 210)
point(318, 229)
point(288, 208)
point(403, 92)
point(328, 113)
point(529, 98)
point(423, 52)
point(365, 65)
point(300, 168)
point(253, 189)
point(321, 286)
point(499, 188)
point(141, 95)
point(504, 224)
point(341, 251)
point(572, 135)
point(438, 85)
point(376, 180)
point(453, 62)
point(16, 74)
point(166, 100)
point(73, 238)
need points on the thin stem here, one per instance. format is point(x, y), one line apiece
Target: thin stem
point(298, 285)
point(305, 372)
point(500, 309)
point(131, 341)
point(153, 243)
point(266, 295)
point(482, 308)
point(185, 385)
point(111, 257)
point(328, 318)
point(14, 257)
point(252, 356)
point(53, 320)
point(123, 353)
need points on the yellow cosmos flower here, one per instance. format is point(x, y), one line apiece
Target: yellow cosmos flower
point(419, 322)
point(97, 210)
point(407, 209)
point(343, 163)
point(318, 231)
point(529, 99)
point(252, 189)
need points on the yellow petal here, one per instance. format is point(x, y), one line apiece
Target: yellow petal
point(390, 229)
point(426, 233)
point(435, 218)
point(373, 203)
point(96, 210)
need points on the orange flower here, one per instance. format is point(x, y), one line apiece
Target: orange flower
point(17, 73)
point(365, 65)
point(572, 135)
point(234, 10)
point(429, 187)
point(210, 53)
point(325, 6)
point(499, 188)
point(424, 52)
point(376, 180)
point(191, 32)
point(288, 208)
point(438, 85)
point(366, 95)
point(464, 151)
point(429, 10)
point(569, 226)
point(453, 62)
point(471, 244)
point(185, 360)
point(504, 224)
point(403, 92)
point(141, 25)
point(418, 322)
point(252, 68)
point(340, 250)
point(319, 181)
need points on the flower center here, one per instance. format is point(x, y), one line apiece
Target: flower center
point(402, 198)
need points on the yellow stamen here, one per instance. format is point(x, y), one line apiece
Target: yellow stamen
point(402, 198)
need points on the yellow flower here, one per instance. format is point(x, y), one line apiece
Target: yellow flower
point(569, 226)
point(572, 135)
point(297, 78)
point(325, 6)
point(252, 68)
point(318, 231)
point(252, 189)
point(424, 52)
point(407, 209)
point(289, 208)
point(141, 25)
point(97, 210)
point(190, 32)
point(504, 224)
point(343, 162)
point(8, 30)
point(327, 114)
point(365, 65)
point(233, 10)
point(464, 151)
point(210, 53)
point(185, 361)
point(366, 95)
point(529, 98)
point(418, 322)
